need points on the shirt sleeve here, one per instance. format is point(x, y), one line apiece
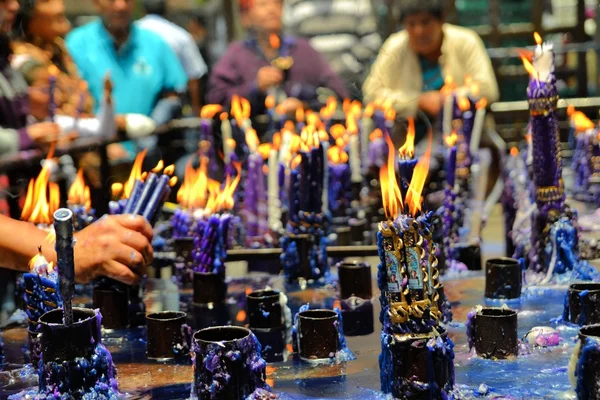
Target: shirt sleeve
point(225, 81)
point(479, 67)
point(378, 86)
point(174, 77)
point(193, 63)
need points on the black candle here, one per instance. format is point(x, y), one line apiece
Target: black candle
point(63, 225)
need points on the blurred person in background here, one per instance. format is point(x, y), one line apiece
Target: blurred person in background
point(247, 67)
point(344, 31)
point(148, 78)
point(412, 64)
point(182, 44)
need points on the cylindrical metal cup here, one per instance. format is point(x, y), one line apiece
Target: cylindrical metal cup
point(584, 303)
point(165, 336)
point(355, 280)
point(318, 335)
point(209, 288)
point(503, 278)
point(495, 333)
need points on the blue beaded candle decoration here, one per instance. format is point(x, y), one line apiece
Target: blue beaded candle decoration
point(407, 277)
point(80, 203)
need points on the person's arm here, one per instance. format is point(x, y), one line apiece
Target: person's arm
point(117, 246)
point(225, 81)
point(388, 67)
point(479, 67)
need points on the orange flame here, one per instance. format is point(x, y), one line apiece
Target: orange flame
point(270, 102)
point(79, 193)
point(43, 196)
point(39, 258)
point(274, 41)
point(252, 140)
point(390, 191)
point(224, 116)
point(451, 139)
point(337, 155)
point(449, 85)
point(236, 109)
point(159, 167)
point(277, 140)
point(337, 131)
point(173, 181)
point(169, 170)
point(210, 110)
point(300, 114)
point(408, 148)
point(351, 126)
point(116, 189)
point(464, 104)
point(475, 89)
point(376, 134)
point(296, 162)
point(514, 151)
point(581, 122)
point(136, 173)
point(417, 183)
point(529, 67)
point(246, 109)
point(53, 70)
point(537, 37)
point(390, 114)
point(369, 110)
point(482, 103)
point(264, 150)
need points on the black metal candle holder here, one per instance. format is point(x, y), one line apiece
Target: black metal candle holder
point(469, 255)
point(228, 378)
point(318, 335)
point(303, 244)
point(358, 316)
point(587, 366)
point(63, 343)
point(495, 333)
point(355, 280)
point(358, 227)
point(266, 320)
point(113, 305)
point(344, 236)
point(166, 334)
point(209, 288)
point(503, 278)
point(584, 303)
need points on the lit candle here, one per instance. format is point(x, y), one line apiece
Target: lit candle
point(451, 163)
point(226, 137)
point(41, 293)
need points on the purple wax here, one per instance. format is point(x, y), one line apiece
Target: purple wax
point(451, 172)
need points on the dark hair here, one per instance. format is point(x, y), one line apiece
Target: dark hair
point(22, 19)
point(435, 8)
point(156, 7)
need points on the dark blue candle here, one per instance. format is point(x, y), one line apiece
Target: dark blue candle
point(154, 203)
point(451, 166)
point(136, 192)
point(149, 187)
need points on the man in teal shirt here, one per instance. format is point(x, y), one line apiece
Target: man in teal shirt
point(147, 76)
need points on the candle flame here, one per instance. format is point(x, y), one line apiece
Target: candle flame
point(224, 116)
point(79, 193)
point(236, 109)
point(210, 110)
point(43, 196)
point(264, 150)
point(289, 126)
point(300, 114)
point(369, 110)
point(277, 140)
point(451, 139)
point(390, 114)
point(252, 140)
point(159, 167)
point(53, 70)
point(173, 181)
point(270, 102)
point(537, 37)
point(336, 155)
point(351, 126)
point(246, 108)
point(481, 104)
point(449, 85)
point(330, 107)
point(274, 41)
point(407, 151)
point(116, 189)
point(514, 151)
point(312, 119)
point(390, 191)
point(136, 173)
point(417, 183)
point(337, 131)
point(464, 104)
point(376, 134)
point(296, 162)
point(169, 170)
point(475, 89)
point(39, 265)
point(529, 67)
point(579, 120)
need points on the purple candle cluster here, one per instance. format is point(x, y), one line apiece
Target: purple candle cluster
point(211, 243)
point(255, 198)
point(339, 185)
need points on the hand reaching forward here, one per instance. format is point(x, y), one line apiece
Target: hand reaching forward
point(117, 246)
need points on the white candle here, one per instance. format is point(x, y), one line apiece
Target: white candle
point(325, 195)
point(356, 175)
point(543, 60)
point(448, 111)
point(274, 204)
point(286, 140)
point(366, 127)
point(480, 177)
point(477, 130)
point(226, 136)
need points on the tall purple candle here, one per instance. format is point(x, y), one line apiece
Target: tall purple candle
point(451, 172)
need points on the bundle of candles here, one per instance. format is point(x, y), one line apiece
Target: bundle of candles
point(551, 248)
point(586, 157)
point(408, 280)
point(146, 193)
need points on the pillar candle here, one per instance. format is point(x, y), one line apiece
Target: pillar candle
point(451, 167)
point(325, 188)
point(274, 203)
point(356, 175)
point(448, 113)
point(226, 137)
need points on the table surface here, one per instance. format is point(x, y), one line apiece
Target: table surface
point(542, 374)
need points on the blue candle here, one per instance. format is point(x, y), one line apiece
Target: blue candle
point(136, 192)
point(149, 187)
point(154, 203)
point(451, 166)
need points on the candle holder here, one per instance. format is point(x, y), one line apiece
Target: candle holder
point(296, 255)
point(503, 278)
point(358, 316)
point(167, 335)
point(470, 255)
point(355, 280)
point(183, 247)
point(344, 235)
point(583, 304)
point(114, 303)
point(317, 334)
point(209, 288)
point(227, 378)
point(358, 227)
point(493, 332)
point(267, 322)
point(417, 368)
point(584, 368)
point(75, 363)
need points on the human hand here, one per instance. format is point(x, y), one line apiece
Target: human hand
point(116, 246)
point(431, 103)
point(268, 77)
point(43, 132)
